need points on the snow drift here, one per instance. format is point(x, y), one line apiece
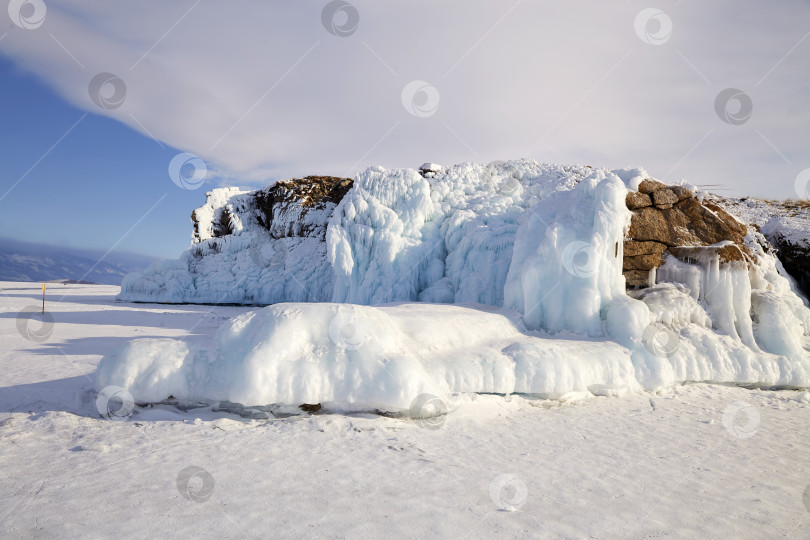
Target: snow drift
point(540, 244)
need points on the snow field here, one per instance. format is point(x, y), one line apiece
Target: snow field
point(686, 461)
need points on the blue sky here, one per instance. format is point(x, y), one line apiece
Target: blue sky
point(93, 186)
point(268, 90)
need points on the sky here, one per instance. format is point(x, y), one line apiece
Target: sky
point(117, 116)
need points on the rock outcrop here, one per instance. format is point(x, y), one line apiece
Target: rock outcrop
point(284, 209)
point(670, 220)
point(793, 249)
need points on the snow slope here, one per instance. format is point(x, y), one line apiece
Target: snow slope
point(691, 461)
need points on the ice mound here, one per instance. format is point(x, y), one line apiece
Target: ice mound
point(387, 356)
point(381, 356)
point(533, 251)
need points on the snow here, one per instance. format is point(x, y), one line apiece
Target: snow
point(688, 461)
point(789, 219)
point(792, 230)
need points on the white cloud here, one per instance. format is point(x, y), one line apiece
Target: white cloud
point(263, 90)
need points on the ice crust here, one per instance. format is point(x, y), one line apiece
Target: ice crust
point(531, 256)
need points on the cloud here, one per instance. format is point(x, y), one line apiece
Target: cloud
point(271, 89)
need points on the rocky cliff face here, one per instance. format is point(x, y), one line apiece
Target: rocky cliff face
point(669, 220)
point(286, 209)
point(794, 253)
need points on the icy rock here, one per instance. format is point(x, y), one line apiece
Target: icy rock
point(680, 224)
point(430, 169)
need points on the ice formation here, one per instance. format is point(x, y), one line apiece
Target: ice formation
point(382, 356)
point(532, 251)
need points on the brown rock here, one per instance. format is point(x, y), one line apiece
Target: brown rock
point(650, 186)
point(704, 225)
point(636, 200)
point(634, 249)
point(687, 223)
point(642, 255)
point(730, 220)
point(681, 192)
point(310, 407)
point(642, 262)
point(636, 278)
point(687, 229)
point(649, 225)
point(664, 197)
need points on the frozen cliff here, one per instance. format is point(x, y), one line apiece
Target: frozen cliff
point(563, 279)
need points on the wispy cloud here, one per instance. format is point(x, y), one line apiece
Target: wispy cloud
point(197, 75)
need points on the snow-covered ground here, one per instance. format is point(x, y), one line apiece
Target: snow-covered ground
point(689, 461)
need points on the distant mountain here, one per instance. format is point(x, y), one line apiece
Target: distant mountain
point(23, 261)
